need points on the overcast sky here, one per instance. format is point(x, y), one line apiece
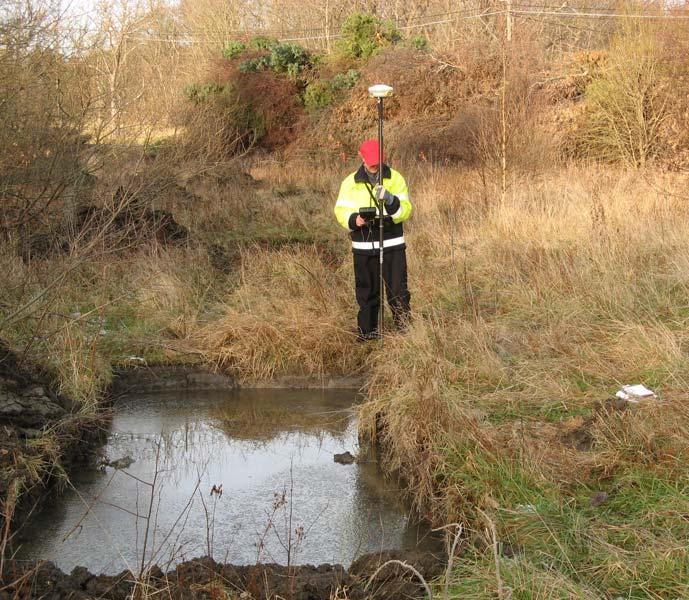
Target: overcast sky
point(74, 7)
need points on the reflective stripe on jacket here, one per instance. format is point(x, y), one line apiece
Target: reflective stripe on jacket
point(356, 192)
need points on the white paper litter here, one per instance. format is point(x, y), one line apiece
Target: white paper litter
point(636, 393)
point(138, 359)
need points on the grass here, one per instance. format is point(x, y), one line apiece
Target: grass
point(534, 313)
point(287, 316)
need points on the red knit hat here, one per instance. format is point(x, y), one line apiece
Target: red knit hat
point(369, 152)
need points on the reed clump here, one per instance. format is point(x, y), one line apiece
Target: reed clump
point(287, 316)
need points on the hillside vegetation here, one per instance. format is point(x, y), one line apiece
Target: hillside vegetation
point(191, 221)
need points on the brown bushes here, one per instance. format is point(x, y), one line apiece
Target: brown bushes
point(276, 100)
point(465, 105)
point(428, 94)
point(452, 139)
point(238, 111)
point(448, 109)
point(627, 104)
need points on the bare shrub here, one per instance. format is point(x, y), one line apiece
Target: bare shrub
point(512, 128)
point(675, 51)
point(237, 111)
point(214, 130)
point(41, 139)
point(438, 139)
point(627, 103)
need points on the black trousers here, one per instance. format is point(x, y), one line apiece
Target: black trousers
point(367, 279)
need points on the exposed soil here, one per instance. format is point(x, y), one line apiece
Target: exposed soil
point(145, 380)
point(204, 578)
point(42, 435)
point(130, 222)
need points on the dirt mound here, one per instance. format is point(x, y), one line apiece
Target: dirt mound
point(271, 106)
point(133, 222)
point(26, 403)
point(427, 115)
point(126, 221)
point(204, 578)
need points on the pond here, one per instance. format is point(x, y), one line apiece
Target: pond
point(155, 500)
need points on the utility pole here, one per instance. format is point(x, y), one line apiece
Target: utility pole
point(508, 18)
point(506, 44)
point(327, 26)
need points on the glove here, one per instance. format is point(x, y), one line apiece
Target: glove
point(382, 194)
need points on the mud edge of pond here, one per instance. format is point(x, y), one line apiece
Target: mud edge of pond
point(42, 435)
point(205, 578)
point(144, 380)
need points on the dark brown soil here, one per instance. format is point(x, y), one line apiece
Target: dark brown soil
point(42, 434)
point(204, 578)
point(145, 380)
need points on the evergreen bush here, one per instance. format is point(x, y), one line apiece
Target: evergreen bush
point(318, 94)
point(233, 49)
point(363, 35)
point(289, 58)
point(345, 81)
point(199, 93)
point(261, 42)
point(419, 42)
point(253, 65)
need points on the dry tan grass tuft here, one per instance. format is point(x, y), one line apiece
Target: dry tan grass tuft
point(288, 315)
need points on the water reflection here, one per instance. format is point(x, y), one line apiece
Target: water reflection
point(283, 496)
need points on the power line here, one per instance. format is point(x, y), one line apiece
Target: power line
point(524, 10)
point(278, 31)
point(474, 16)
point(553, 22)
point(603, 15)
point(523, 13)
point(398, 22)
point(197, 39)
point(563, 6)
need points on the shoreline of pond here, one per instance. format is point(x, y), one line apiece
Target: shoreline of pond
point(385, 575)
point(190, 378)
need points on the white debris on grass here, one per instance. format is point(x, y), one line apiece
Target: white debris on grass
point(636, 393)
point(136, 359)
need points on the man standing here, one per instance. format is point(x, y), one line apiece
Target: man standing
point(360, 191)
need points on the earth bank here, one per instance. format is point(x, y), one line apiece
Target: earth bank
point(43, 435)
point(206, 578)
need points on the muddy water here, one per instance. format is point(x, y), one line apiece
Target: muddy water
point(283, 497)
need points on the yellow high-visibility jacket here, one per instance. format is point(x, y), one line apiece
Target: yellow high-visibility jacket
point(356, 192)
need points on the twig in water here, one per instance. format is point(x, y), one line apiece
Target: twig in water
point(184, 513)
point(150, 511)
